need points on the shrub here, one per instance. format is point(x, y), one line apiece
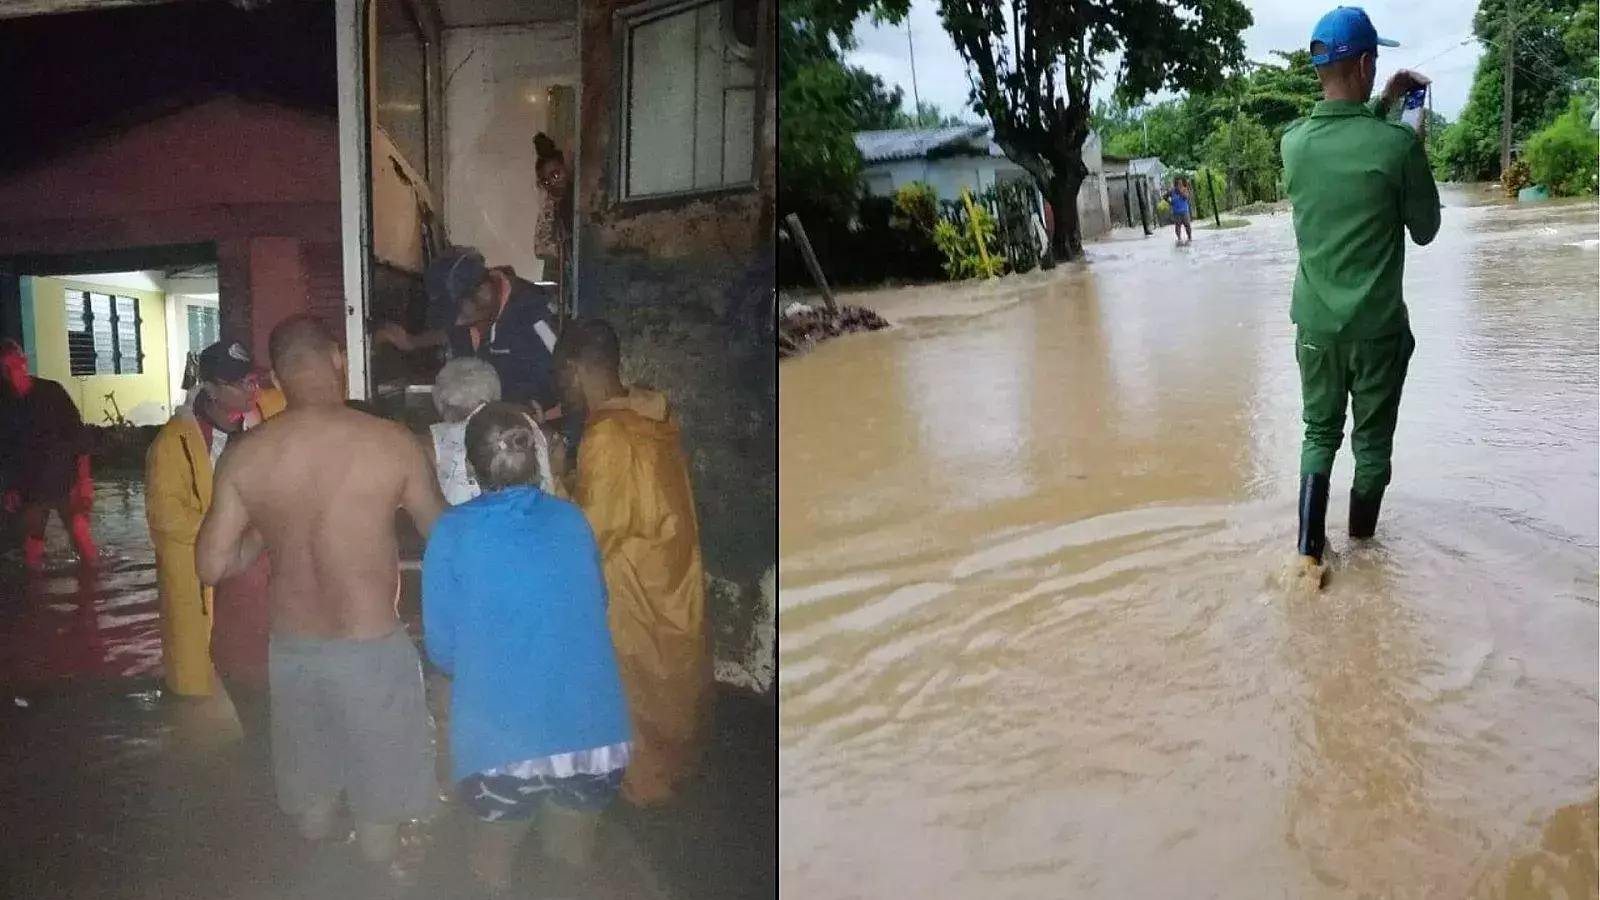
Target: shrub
point(1200, 194)
point(1516, 178)
point(1563, 156)
point(916, 208)
point(960, 248)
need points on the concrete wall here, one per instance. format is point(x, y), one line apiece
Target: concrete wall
point(497, 99)
point(947, 176)
point(679, 277)
point(144, 398)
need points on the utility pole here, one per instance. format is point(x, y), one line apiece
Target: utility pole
point(1508, 45)
point(916, 98)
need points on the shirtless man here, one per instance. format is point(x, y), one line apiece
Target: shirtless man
point(317, 487)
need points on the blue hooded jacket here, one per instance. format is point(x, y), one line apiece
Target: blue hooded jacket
point(514, 610)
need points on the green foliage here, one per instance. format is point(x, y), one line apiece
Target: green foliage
point(819, 165)
point(1234, 130)
point(1243, 148)
point(916, 208)
point(824, 102)
point(1033, 63)
point(1204, 184)
point(1555, 51)
point(959, 245)
point(928, 115)
point(1563, 156)
point(1013, 202)
point(873, 105)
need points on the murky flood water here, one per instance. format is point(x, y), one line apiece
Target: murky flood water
point(1030, 644)
point(110, 789)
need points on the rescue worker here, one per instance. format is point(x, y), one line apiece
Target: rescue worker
point(44, 458)
point(178, 469)
point(1358, 183)
point(500, 318)
point(632, 481)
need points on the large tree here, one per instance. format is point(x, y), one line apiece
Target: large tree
point(1033, 64)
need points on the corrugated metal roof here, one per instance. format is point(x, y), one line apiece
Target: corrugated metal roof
point(1146, 165)
point(913, 143)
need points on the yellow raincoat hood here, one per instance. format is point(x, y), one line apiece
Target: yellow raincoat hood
point(633, 484)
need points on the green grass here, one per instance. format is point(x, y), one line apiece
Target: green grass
point(1226, 224)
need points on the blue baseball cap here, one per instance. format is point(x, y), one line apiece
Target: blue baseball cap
point(1344, 33)
point(454, 274)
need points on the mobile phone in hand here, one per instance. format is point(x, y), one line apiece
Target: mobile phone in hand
point(1415, 109)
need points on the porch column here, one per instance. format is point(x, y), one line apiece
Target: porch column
point(233, 291)
point(277, 289)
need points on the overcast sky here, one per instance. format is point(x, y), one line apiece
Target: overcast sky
point(1430, 33)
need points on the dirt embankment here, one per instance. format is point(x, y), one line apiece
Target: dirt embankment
point(804, 326)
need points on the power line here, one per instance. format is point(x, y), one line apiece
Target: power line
point(1448, 50)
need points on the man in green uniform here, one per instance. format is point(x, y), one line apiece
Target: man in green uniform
point(1358, 184)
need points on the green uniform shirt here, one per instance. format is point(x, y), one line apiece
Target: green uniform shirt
point(1357, 183)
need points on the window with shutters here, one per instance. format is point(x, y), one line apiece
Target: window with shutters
point(103, 334)
point(689, 97)
point(204, 326)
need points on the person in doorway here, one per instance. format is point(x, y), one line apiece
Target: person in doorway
point(554, 236)
point(632, 480)
point(461, 388)
point(499, 318)
point(514, 611)
point(178, 481)
point(317, 487)
point(45, 458)
point(1179, 199)
point(1357, 183)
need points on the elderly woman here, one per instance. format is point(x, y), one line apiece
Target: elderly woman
point(514, 611)
point(463, 387)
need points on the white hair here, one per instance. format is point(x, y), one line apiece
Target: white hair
point(462, 386)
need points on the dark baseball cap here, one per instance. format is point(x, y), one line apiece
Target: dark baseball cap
point(226, 362)
point(1344, 33)
point(455, 274)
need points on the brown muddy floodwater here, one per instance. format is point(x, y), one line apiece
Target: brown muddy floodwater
point(1030, 643)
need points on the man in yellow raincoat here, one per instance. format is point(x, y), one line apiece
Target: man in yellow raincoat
point(178, 472)
point(632, 481)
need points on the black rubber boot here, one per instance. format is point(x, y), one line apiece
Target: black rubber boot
point(1364, 514)
point(1313, 515)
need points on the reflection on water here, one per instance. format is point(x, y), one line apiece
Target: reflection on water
point(67, 623)
point(1029, 641)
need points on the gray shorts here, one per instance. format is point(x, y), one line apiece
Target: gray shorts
point(352, 717)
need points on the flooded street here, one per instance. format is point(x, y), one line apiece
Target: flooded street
point(114, 790)
point(1030, 641)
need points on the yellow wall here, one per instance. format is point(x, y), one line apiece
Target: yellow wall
point(52, 361)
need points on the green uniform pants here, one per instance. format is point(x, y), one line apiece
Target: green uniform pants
point(1369, 372)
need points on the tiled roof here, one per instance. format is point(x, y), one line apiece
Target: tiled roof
point(913, 143)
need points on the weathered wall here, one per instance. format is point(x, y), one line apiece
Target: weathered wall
point(272, 183)
point(686, 281)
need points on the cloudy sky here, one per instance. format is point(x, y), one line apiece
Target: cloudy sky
point(1430, 32)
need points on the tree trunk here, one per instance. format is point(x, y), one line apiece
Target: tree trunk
point(1066, 244)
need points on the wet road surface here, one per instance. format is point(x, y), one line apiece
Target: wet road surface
point(108, 789)
point(1030, 641)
